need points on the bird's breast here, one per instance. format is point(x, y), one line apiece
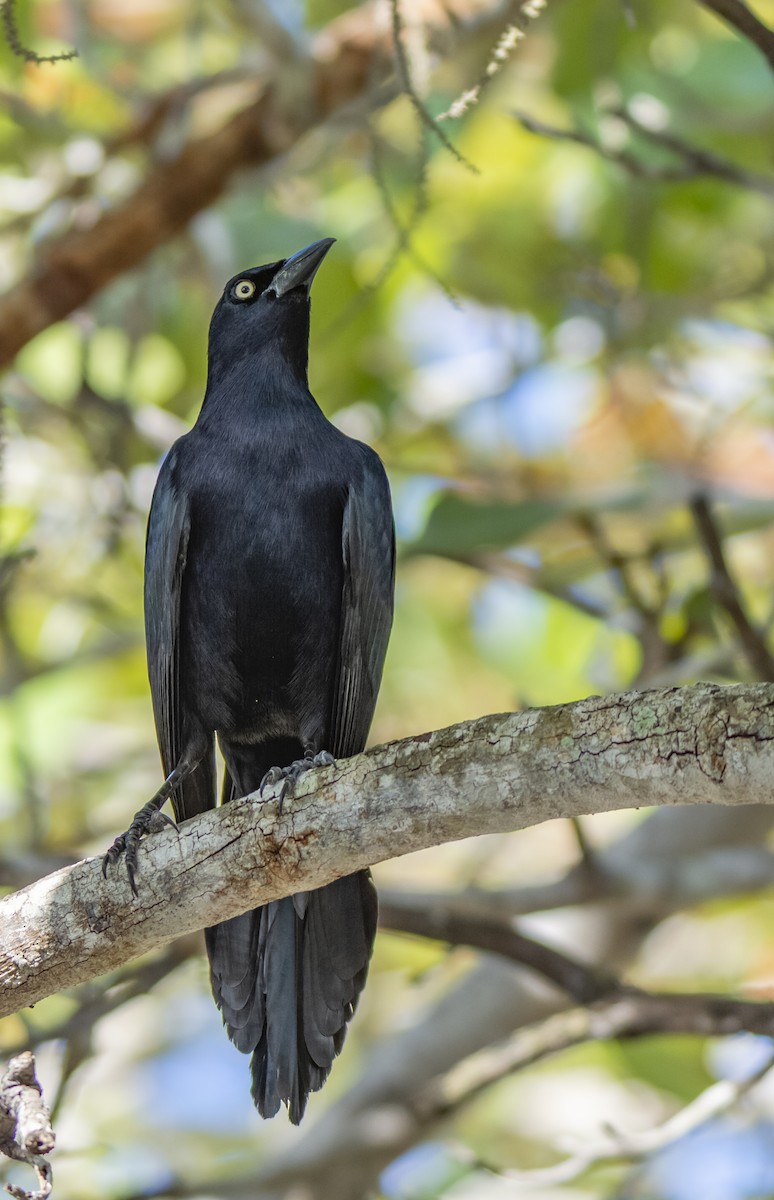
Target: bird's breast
point(263, 595)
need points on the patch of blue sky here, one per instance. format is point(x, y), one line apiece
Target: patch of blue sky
point(463, 353)
point(418, 1172)
point(502, 606)
point(723, 1160)
point(200, 1083)
point(412, 500)
point(430, 328)
point(739, 1057)
point(538, 414)
point(725, 364)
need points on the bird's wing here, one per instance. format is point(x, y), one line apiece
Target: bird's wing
point(368, 549)
point(169, 526)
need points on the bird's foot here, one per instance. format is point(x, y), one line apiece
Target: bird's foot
point(289, 775)
point(148, 820)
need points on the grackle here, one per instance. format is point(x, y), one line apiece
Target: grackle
point(269, 576)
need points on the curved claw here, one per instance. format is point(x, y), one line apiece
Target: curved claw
point(290, 774)
point(127, 843)
point(113, 853)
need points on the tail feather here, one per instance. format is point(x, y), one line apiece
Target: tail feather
point(287, 978)
point(234, 951)
point(288, 975)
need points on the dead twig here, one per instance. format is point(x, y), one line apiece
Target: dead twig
point(25, 1125)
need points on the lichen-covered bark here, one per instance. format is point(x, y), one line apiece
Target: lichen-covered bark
point(704, 744)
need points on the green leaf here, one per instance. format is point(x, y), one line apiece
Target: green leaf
point(458, 526)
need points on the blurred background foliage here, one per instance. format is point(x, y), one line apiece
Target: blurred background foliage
point(554, 354)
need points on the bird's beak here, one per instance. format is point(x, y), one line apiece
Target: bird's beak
point(300, 269)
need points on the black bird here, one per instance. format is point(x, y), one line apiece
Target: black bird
point(269, 576)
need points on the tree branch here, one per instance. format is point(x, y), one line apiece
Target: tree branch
point(496, 774)
point(451, 923)
point(25, 1125)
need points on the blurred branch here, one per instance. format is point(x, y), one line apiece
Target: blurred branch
point(25, 1125)
point(500, 773)
point(711, 1103)
point(626, 1014)
point(657, 652)
point(349, 64)
point(694, 162)
point(634, 887)
point(620, 565)
point(502, 566)
point(703, 162)
point(726, 592)
point(450, 923)
point(739, 16)
point(617, 1010)
point(20, 671)
point(22, 868)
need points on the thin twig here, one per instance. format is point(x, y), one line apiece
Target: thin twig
point(704, 161)
point(404, 72)
point(17, 47)
point(94, 1003)
point(506, 44)
point(404, 229)
point(656, 650)
point(726, 592)
point(403, 241)
point(694, 162)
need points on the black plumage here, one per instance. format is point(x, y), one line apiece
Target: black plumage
point(268, 599)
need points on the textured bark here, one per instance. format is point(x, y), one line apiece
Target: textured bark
point(25, 1125)
point(705, 744)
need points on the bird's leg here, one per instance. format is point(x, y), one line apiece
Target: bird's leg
point(143, 822)
point(295, 770)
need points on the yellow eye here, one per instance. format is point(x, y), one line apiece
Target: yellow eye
point(244, 289)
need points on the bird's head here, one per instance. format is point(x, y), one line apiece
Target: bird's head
point(266, 309)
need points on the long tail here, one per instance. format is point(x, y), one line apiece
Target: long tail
point(287, 978)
